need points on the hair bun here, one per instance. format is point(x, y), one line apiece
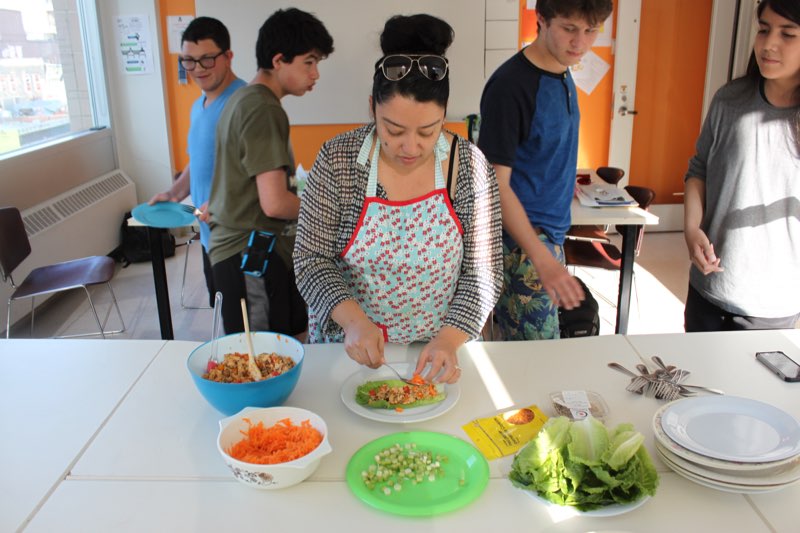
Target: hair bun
point(416, 34)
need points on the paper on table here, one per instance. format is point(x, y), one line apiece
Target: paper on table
point(603, 195)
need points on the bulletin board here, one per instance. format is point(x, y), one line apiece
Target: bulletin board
point(341, 94)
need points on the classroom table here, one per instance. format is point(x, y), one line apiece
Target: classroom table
point(627, 219)
point(57, 395)
point(149, 460)
point(155, 238)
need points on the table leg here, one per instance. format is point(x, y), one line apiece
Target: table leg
point(160, 281)
point(625, 277)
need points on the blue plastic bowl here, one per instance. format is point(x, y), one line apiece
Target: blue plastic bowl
point(230, 398)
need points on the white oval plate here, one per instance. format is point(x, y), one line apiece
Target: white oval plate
point(611, 510)
point(719, 485)
point(732, 428)
point(782, 475)
point(719, 464)
point(413, 414)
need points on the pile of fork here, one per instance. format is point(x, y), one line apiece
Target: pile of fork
point(666, 382)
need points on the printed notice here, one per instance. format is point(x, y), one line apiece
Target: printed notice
point(604, 33)
point(135, 45)
point(175, 27)
point(589, 72)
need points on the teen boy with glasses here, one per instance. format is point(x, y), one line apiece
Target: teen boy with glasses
point(206, 56)
point(529, 132)
point(251, 176)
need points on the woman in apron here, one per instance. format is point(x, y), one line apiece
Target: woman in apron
point(399, 231)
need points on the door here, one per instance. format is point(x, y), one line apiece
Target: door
point(659, 85)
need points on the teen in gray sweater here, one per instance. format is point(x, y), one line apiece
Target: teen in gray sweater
point(742, 200)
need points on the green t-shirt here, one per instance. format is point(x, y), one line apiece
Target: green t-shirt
point(252, 138)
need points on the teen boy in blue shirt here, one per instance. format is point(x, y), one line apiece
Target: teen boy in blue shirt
point(529, 132)
point(206, 56)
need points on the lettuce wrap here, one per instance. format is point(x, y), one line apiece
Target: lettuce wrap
point(371, 395)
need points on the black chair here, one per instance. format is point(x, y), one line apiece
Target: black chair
point(611, 175)
point(79, 273)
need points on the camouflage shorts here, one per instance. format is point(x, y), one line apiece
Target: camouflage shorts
point(524, 310)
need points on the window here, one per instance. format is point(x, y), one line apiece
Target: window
point(46, 90)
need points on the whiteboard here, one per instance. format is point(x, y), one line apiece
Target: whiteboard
point(341, 94)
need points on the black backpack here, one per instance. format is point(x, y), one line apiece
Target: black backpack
point(582, 321)
point(135, 246)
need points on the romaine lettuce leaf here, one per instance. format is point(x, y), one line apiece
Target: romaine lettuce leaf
point(363, 397)
point(584, 465)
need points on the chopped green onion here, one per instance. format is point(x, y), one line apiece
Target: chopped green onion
point(397, 464)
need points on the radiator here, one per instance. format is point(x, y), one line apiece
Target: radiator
point(80, 222)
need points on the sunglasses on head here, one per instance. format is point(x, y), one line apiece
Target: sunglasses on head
point(396, 67)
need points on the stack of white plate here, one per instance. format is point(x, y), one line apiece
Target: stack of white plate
point(729, 443)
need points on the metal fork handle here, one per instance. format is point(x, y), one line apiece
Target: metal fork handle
point(619, 368)
point(698, 387)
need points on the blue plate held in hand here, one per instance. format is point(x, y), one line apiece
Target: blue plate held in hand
point(164, 215)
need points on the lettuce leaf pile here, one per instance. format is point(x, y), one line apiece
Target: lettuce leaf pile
point(584, 465)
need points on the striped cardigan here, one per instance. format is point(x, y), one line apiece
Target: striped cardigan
point(332, 202)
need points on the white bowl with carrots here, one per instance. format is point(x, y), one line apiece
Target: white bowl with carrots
point(273, 447)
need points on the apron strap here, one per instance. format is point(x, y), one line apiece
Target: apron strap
point(440, 150)
point(451, 191)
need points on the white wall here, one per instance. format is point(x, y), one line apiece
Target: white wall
point(502, 33)
point(138, 103)
point(341, 95)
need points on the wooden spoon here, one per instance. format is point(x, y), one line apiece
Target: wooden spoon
point(255, 373)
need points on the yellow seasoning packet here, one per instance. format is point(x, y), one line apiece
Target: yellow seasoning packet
point(506, 432)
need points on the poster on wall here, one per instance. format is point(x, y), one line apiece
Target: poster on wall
point(589, 72)
point(604, 33)
point(175, 27)
point(135, 45)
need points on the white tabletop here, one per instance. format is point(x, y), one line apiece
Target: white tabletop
point(584, 215)
point(218, 506)
point(186, 428)
point(154, 465)
point(55, 401)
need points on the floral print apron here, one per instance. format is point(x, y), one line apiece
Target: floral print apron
point(403, 260)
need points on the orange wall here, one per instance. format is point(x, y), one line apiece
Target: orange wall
point(179, 97)
point(307, 140)
point(595, 129)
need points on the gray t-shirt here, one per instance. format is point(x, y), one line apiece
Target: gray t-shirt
point(748, 156)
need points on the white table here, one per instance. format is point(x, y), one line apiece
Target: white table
point(155, 236)
point(153, 465)
point(627, 219)
point(55, 400)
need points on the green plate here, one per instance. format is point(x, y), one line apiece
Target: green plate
point(431, 497)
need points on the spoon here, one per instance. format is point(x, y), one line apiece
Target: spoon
point(255, 373)
point(213, 360)
point(396, 373)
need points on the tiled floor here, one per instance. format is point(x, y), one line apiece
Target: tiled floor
point(661, 277)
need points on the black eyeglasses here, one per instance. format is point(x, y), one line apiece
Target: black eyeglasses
point(397, 67)
point(207, 62)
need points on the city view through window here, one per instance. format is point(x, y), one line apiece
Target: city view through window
point(43, 88)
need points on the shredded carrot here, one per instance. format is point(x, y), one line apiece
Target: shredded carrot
point(398, 409)
point(280, 443)
point(417, 379)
